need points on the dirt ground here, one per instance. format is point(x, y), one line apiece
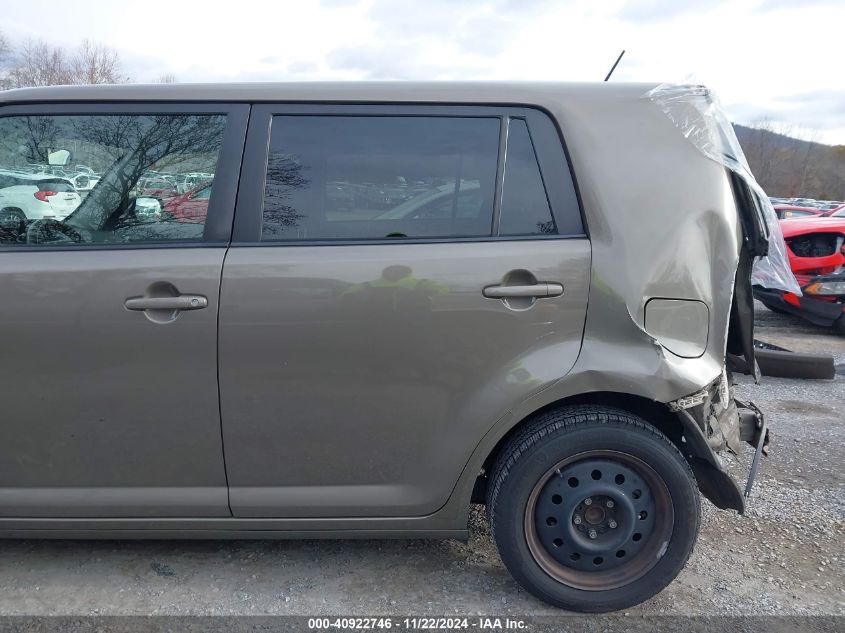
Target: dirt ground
point(785, 556)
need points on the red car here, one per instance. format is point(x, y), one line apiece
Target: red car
point(787, 211)
point(191, 206)
point(158, 188)
point(816, 249)
point(836, 212)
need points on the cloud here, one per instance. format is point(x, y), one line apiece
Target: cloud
point(476, 27)
point(303, 68)
point(816, 113)
point(437, 39)
point(825, 108)
point(662, 10)
point(775, 5)
point(396, 62)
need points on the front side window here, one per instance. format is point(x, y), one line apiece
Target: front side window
point(372, 177)
point(110, 179)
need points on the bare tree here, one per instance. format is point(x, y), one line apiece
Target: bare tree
point(167, 78)
point(39, 64)
point(95, 64)
point(812, 139)
point(5, 47)
point(5, 51)
point(763, 151)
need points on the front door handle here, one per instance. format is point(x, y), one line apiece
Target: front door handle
point(542, 289)
point(179, 302)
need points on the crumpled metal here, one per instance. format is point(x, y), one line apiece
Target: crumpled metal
point(696, 112)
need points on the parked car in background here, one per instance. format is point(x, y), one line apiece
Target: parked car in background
point(84, 182)
point(189, 181)
point(816, 249)
point(36, 196)
point(161, 188)
point(189, 207)
point(785, 211)
point(147, 209)
point(835, 210)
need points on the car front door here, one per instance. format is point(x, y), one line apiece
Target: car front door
point(109, 375)
point(399, 279)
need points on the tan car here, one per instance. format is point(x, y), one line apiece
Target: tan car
point(542, 326)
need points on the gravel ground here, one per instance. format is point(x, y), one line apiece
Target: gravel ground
point(785, 556)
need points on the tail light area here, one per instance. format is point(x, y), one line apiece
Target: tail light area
point(43, 195)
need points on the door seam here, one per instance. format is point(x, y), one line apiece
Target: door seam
point(219, 304)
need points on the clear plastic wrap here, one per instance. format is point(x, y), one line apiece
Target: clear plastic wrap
point(696, 112)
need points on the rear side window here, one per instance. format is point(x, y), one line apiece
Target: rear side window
point(55, 185)
point(525, 207)
point(130, 164)
point(372, 177)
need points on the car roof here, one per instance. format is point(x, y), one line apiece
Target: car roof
point(25, 175)
point(455, 92)
point(792, 207)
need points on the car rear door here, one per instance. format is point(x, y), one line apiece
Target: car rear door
point(400, 276)
point(109, 371)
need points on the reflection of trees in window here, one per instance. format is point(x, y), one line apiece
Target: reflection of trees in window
point(123, 148)
point(546, 228)
point(36, 136)
point(284, 177)
point(143, 142)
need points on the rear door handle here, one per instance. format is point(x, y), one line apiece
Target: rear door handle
point(542, 289)
point(180, 302)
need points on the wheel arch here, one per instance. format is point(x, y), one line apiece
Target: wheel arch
point(713, 482)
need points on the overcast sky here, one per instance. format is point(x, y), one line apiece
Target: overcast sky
point(781, 59)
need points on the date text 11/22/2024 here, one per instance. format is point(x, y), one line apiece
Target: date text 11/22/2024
point(421, 623)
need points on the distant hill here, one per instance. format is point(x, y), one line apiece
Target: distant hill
point(790, 167)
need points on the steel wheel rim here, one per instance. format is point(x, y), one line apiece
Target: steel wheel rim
point(615, 556)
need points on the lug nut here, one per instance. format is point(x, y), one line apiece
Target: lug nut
point(612, 523)
point(592, 533)
point(577, 520)
point(610, 503)
point(588, 501)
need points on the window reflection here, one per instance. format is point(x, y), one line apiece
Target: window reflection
point(123, 178)
point(340, 177)
point(525, 207)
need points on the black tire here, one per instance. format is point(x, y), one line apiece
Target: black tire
point(786, 364)
point(839, 325)
point(573, 437)
point(12, 213)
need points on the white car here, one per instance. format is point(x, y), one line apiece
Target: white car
point(190, 181)
point(37, 196)
point(147, 209)
point(84, 183)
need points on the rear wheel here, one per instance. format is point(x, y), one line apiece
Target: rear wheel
point(12, 214)
point(592, 509)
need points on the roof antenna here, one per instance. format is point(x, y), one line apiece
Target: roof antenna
point(615, 65)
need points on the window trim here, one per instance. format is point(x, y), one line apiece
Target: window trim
point(250, 205)
point(221, 209)
point(498, 219)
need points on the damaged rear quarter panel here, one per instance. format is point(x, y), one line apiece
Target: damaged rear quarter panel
point(663, 224)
